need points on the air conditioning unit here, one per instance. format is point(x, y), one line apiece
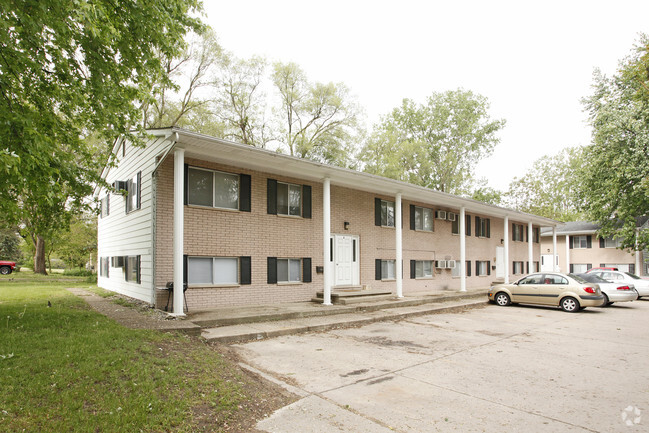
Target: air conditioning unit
point(440, 264)
point(440, 214)
point(450, 216)
point(120, 185)
point(450, 264)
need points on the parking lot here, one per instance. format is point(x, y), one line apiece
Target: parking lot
point(493, 369)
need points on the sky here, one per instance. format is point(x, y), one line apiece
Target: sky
point(533, 60)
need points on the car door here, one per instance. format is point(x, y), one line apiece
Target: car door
point(527, 289)
point(552, 288)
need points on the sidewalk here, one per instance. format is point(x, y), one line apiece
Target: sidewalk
point(239, 324)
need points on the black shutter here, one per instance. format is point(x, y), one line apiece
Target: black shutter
point(488, 266)
point(107, 204)
point(477, 267)
point(570, 240)
point(488, 230)
point(589, 241)
point(139, 269)
point(632, 268)
point(514, 232)
point(527, 236)
point(477, 227)
point(331, 249)
point(245, 189)
point(185, 276)
point(138, 205)
point(377, 212)
point(377, 269)
point(602, 243)
point(272, 270)
point(306, 269)
point(245, 276)
point(412, 217)
point(527, 266)
point(306, 201)
point(468, 268)
point(467, 224)
point(413, 269)
point(572, 269)
point(186, 181)
point(271, 196)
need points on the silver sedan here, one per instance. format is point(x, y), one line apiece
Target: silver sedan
point(613, 292)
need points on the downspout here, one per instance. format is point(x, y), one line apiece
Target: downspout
point(154, 215)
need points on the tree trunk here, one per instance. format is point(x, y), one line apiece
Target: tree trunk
point(39, 256)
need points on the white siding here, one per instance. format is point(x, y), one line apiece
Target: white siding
point(120, 234)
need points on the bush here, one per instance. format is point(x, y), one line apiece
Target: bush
point(78, 272)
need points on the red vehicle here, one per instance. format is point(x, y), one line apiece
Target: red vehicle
point(7, 267)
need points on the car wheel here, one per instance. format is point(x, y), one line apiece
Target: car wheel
point(606, 302)
point(502, 299)
point(5, 270)
point(570, 305)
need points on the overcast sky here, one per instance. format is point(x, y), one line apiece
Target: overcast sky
point(532, 60)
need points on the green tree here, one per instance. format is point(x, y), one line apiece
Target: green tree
point(481, 191)
point(551, 186)
point(77, 245)
point(68, 68)
point(615, 187)
point(436, 144)
point(316, 121)
point(10, 245)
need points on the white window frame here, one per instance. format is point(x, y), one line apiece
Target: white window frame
point(130, 267)
point(133, 192)
point(577, 242)
point(385, 216)
point(289, 188)
point(214, 279)
point(421, 211)
point(389, 265)
point(288, 270)
point(214, 178)
point(420, 269)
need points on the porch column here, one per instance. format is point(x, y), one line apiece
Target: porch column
point(462, 250)
point(530, 244)
point(179, 228)
point(506, 245)
point(399, 259)
point(555, 261)
point(326, 239)
point(567, 270)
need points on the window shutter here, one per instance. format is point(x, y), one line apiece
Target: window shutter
point(245, 271)
point(477, 267)
point(139, 190)
point(412, 217)
point(306, 201)
point(306, 270)
point(271, 197)
point(331, 249)
point(377, 212)
point(467, 224)
point(488, 231)
point(377, 269)
point(184, 269)
point(632, 268)
point(572, 268)
point(488, 266)
point(186, 181)
point(602, 243)
point(272, 270)
point(413, 269)
point(477, 226)
point(589, 241)
point(527, 266)
point(468, 268)
point(514, 232)
point(139, 269)
point(571, 242)
point(245, 190)
point(527, 236)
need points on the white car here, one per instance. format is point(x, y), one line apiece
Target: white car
point(641, 286)
point(613, 292)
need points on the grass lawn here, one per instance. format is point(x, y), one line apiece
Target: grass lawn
point(67, 368)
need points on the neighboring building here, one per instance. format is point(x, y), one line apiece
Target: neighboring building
point(244, 226)
point(579, 249)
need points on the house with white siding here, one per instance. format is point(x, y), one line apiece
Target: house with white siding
point(238, 225)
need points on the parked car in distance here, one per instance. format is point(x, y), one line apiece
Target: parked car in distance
point(613, 292)
point(7, 267)
point(641, 286)
point(567, 291)
point(602, 269)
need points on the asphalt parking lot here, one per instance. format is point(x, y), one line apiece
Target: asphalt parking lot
point(493, 369)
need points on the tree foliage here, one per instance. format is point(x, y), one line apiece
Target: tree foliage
point(616, 174)
point(68, 68)
point(436, 144)
point(550, 188)
point(10, 245)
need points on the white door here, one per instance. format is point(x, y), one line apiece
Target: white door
point(346, 263)
point(500, 262)
point(546, 263)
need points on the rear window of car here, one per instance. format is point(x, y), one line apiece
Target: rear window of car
point(635, 277)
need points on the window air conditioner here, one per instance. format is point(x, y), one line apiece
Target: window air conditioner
point(440, 214)
point(451, 216)
point(440, 264)
point(120, 185)
point(450, 264)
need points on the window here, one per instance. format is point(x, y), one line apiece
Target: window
point(289, 270)
point(289, 199)
point(518, 268)
point(579, 268)
point(455, 272)
point(423, 218)
point(213, 188)
point(482, 268)
point(104, 206)
point(387, 213)
point(132, 269)
point(580, 241)
point(421, 269)
point(482, 227)
point(609, 242)
point(517, 232)
point(554, 279)
point(213, 270)
point(536, 233)
point(104, 263)
point(387, 270)
point(133, 190)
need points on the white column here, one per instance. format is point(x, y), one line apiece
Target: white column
point(399, 241)
point(530, 250)
point(179, 229)
point(326, 239)
point(506, 245)
point(567, 270)
point(462, 250)
point(555, 261)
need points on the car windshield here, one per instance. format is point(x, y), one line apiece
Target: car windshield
point(578, 278)
point(635, 277)
point(591, 278)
